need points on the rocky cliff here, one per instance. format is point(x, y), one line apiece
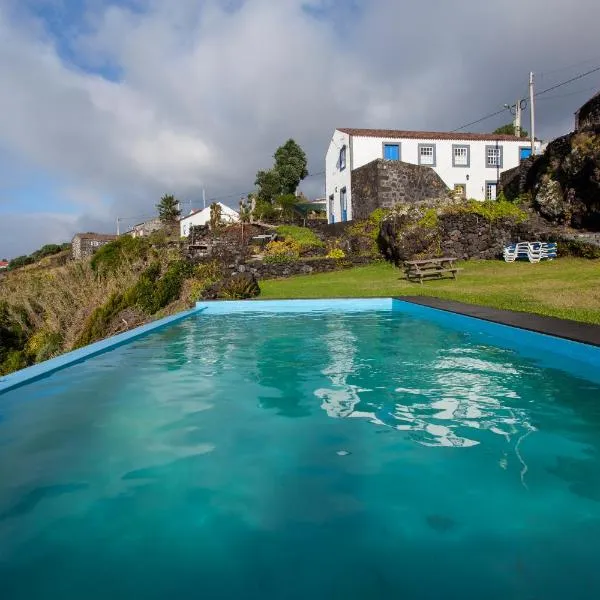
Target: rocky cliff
point(563, 184)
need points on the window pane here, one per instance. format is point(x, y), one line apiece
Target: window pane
point(493, 157)
point(426, 155)
point(461, 156)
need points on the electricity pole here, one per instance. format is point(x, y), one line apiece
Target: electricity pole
point(532, 112)
point(518, 118)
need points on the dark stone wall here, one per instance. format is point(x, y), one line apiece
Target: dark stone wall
point(514, 182)
point(472, 236)
point(461, 235)
point(589, 114)
point(262, 270)
point(385, 183)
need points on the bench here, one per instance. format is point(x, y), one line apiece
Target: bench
point(434, 268)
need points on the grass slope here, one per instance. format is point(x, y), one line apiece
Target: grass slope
point(568, 288)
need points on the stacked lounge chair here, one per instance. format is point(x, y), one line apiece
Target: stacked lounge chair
point(532, 251)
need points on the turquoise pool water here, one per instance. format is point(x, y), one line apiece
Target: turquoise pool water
point(301, 456)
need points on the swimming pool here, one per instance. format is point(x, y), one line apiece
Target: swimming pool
point(324, 454)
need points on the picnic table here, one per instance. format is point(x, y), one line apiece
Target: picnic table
point(435, 268)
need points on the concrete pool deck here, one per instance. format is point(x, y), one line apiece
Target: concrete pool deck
point(585, 333)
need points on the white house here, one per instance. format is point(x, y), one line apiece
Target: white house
point(202, 217)
point(471, 162)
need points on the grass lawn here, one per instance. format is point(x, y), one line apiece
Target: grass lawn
point(567, 287)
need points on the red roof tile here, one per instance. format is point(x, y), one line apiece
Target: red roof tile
point(430, 135)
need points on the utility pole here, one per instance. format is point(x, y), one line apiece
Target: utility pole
point(532, 112)
point(518, 118)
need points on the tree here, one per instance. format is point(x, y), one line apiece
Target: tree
point(215, 216)
point(509, 129)
point(245, 211)
point(168, 209)
point(269, 185)
point(287, 203)
point(290, 164)
point(285, 176)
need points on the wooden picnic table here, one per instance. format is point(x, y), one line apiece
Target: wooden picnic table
point(435, 268)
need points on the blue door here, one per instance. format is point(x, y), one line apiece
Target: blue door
point(331, 214)
point(391, 151)
point(524, 153)
point(344, 204)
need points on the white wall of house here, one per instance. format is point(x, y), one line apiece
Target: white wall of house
point(472, 171)
point(202, 217)
point(337, 179)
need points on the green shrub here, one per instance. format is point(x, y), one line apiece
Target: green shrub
point(20, 261)
point(239, 287)
point(282, 252)
point(169, 285)
point(306, 239)
point(109, 257)
point(362, 234)
point(44, 344)
point(429, 219)
point(208, 272)
point(97, 324)
point(493, 210)
point(336, 253)
point(14, 360)
point(264, 211)
point(579, 248)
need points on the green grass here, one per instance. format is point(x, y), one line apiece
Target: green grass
point(568, 288)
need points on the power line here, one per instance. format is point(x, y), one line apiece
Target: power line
point(577, 77)
point(554, 87)
point(587, 91)
point(479, 120)
point(577, 64)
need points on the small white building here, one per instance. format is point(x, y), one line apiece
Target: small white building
point(202, 217)
point(471, 162)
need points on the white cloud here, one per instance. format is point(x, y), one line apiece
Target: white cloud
point(208, 89)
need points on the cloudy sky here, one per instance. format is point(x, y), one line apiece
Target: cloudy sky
point(107, 104)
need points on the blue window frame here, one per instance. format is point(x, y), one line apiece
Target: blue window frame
point(331, 209)
point(391, 151)
point(342, 158)
point(524, 152)
point(344, 204)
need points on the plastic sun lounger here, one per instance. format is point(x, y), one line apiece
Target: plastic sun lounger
point(532, 251)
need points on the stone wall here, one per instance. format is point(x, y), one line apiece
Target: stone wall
point(514, 182)
point(385, 183)
point(262, 270)
point(589, 114)
point(472, 236)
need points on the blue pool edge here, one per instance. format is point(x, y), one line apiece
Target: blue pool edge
point(37, 371)
point(577, 357)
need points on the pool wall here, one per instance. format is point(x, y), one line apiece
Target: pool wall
point(218, 307)
point(18, 378)
point(577, 358)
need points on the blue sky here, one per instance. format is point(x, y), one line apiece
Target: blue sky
point(113, 104)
